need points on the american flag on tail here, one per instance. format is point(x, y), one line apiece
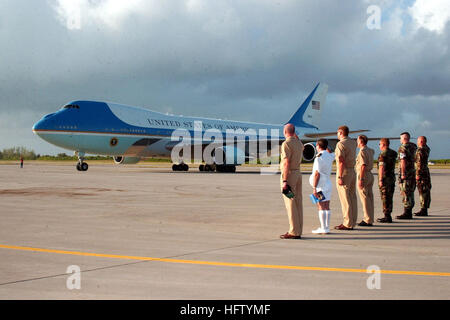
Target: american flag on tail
point(316, 105)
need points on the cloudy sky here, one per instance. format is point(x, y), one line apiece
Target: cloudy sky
point(249, 60)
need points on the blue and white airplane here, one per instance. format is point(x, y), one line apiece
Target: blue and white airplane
point(129, 134)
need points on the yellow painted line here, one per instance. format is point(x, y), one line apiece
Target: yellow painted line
point(223, 264)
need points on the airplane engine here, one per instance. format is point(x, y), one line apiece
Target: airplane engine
point(229, 156)
point(309, 151)
point(126, 160)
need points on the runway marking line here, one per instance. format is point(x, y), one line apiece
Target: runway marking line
point(223, 264)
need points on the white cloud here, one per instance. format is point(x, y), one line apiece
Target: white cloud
point(431, 14)
point(69, 13)
point(73, 13)
point(395, 23)
point(195, 5)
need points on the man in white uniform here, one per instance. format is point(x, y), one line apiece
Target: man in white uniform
point(320, 181)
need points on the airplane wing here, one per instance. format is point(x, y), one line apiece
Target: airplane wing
point(378, 138)
point(327, 134)
point(140, 148)
point(172, 144)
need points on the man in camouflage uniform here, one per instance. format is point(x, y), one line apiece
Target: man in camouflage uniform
point(386, 178)
point(423, 178)
point(407, 175)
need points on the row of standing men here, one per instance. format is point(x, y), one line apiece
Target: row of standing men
point(354, 172)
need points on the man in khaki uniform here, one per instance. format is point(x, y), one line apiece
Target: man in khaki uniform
point(346, 178)
point(364, 166)
point(291, 157)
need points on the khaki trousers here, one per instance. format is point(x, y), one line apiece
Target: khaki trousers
point(366, 196)
point(347, 196)
point(294, 206)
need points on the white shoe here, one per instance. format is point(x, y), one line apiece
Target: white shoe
point(322, 218)
point(327, 221)
point(319, 230)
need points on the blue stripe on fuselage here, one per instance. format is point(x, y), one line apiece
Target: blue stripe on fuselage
point(97, 117)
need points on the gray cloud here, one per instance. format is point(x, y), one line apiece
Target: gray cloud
point(245, 60)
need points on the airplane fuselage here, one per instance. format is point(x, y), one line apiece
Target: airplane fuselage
point(111, 129)
point(132, 133)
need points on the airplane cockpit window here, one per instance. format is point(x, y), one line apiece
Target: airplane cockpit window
point(71, 106)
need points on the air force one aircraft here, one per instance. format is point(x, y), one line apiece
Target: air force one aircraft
point(129, 134)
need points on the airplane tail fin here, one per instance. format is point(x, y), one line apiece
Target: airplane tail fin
point(308, 114)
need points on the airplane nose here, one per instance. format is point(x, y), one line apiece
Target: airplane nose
point(42, 124)
point(38, 126)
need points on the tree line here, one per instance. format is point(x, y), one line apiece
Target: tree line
point(15, 153)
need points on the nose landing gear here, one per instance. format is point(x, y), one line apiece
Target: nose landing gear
point(81, 165)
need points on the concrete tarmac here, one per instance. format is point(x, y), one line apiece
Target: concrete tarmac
point(145, 232)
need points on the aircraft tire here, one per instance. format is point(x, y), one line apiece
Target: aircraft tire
point(84, 166)
point(201, 167)
point(78, 167)
point(184, 167)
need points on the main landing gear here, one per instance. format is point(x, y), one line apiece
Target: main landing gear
point(205, 167)
point(81, 165)
point(180, 167)
point(217, 168)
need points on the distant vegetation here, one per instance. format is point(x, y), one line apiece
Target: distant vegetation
point(157, 160)
point(16, 152)
point(441, 161)
point(63, 156)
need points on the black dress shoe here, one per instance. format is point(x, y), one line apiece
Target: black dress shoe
point(365, 224)
point(289, 236)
